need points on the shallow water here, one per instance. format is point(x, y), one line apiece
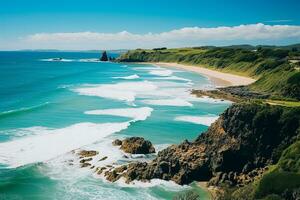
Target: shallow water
point(49, 108)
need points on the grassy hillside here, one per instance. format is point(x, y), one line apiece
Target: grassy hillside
point(281, 182)
point(271, 66)
point(285, 177)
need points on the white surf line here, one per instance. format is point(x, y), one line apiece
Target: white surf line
point(160, 72)
point(175, 78)
point(168, 102)
point(203, 120)
point(55, 142)
point(124, 91)
point(138, 114)
point(134, 76)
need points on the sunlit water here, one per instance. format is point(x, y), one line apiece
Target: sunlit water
point(49, 108)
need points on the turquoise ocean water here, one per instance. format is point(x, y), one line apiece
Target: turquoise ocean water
point(49, 108)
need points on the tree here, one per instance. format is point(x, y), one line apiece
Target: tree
point(104, 56)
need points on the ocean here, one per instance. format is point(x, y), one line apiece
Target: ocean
point(50, 107)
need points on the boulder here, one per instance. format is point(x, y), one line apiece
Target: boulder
point(117, 142)
point(85, 153)
point(85, 165)
point(85, 160)
point(104, 158)
point(137, 145)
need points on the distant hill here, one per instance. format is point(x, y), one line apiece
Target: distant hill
point(253, 47)
point(269, 64)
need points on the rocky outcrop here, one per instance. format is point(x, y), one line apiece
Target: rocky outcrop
point(135, 145)
point(117, 142)
point(85, 153)
point(104, 56)
point(235, 150)
point(232, 93)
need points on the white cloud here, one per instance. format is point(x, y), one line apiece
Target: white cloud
point(190, 36)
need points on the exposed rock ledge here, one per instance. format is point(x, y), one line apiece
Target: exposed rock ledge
point(235, 150)
point(135, 145)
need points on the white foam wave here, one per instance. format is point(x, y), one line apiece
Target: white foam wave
point(169, 185)
point(146, 68)
point(134, 76)
point(138, 114)
point(168, 102)
point(55, 142)
point(175, 78)
point(161, 72)
point(89, 60)
point(21, 132)
point(203, 120)
point(120, 91)
point(57, 60)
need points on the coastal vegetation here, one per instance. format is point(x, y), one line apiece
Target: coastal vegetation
point(250, 152)
point(253, 150)
point(271, 66)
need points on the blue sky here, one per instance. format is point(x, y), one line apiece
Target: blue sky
point(19, 20)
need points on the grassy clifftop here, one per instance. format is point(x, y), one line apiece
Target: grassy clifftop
point(274, 68)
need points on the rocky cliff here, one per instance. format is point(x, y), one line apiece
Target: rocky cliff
point(236, 149)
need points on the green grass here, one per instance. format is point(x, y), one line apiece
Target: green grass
point(276, 182)
point(283, 103)
point(285, 175)
point(275, 74)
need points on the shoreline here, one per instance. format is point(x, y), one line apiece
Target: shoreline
point(220, 79)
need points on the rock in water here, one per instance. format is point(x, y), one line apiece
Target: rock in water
point(117, 142)
point(137, 145)
point(104, 56)
point(85, 153)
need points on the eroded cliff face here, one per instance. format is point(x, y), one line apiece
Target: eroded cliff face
point(235, 150)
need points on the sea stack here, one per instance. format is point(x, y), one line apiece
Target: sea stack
point(104, 56)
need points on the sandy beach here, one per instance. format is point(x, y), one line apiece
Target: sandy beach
point(220, 79)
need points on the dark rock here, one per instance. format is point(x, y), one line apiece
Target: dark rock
point(104, 158)
point(104, 56)
point(99, 171)
point(137, 145)
point(85, 160)
point(85, 165)
point(234, 150)
point(85, 153)
point(117, 142)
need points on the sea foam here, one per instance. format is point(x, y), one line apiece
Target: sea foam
point(164, 72)
point(89, 60)
point(124, 91)
point(55, 142)
point(57, 60)
point(134, 76)
point(203, 120)
point(175, 78)
point(138, 114)
point(168, 102)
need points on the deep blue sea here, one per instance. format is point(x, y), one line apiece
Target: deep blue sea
point(50, 107)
